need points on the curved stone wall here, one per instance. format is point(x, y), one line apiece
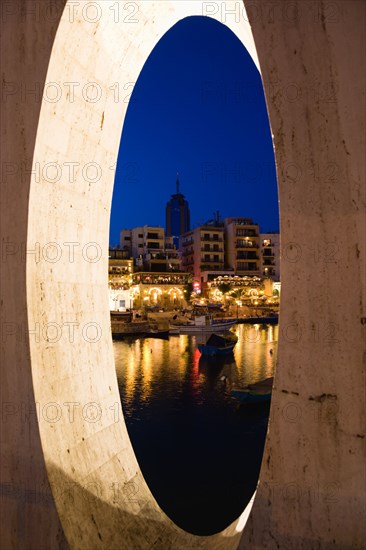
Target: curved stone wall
point(57, 350)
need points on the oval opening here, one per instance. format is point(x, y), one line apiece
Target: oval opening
point(198, 108)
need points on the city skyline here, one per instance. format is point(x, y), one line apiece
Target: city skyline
point(189, 113)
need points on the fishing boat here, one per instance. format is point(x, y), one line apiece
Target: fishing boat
point(201, 324)
point(219, 344)
point(254, 393)
point(158, 330)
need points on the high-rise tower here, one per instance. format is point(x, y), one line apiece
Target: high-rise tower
point(177, 216)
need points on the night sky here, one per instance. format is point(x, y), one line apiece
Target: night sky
point(197, 108)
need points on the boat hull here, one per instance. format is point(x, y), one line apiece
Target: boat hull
point(158, 334)
point(213, 350)
point(260, 392)
point(199, 329)
point(269, 320)
point(249, 397)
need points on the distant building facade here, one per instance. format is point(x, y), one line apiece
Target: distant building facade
point(270, 255)
point(165, 290)
point(177, 216)
point(150, 248)
point(202, 251)
point(242, 246)
point(218, 248)
point(120, 270)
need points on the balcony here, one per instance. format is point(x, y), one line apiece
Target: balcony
point(211, 239)
point(212, 266)
point(252, 268)
point(188, 261)
point(212, 258)
point(205, 261)
point(187, 242)
point(153, 252)
point(246, 233)
point(243, 244)
point(212, 250)
point(247, 256)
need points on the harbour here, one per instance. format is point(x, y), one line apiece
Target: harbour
point(177, 403)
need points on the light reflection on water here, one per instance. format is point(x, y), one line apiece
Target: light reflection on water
point(176, 403)
point(153, 369)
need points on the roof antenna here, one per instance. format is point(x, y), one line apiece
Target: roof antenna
point(177, 183)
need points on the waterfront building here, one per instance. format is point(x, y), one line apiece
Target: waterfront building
point(241, 288)
point(270, 255)
point(177, 215)
point(120, 269)
point(242, 246)
point(219, 248)
point(165, 290)
point(119, 262)
point(150, 248)
point(202, 252)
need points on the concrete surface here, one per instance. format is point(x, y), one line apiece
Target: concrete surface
point(57, 354)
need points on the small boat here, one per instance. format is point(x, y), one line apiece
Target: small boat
point(260, 392)
point(202, 323)
point(157, 333)
point(123, 329)
point(121, 316)
point(261, 320)
point(219, 344)
point(158, 329)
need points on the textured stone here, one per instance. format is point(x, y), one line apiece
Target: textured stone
point(311, 490)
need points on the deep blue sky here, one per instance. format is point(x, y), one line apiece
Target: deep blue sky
point(197, 108)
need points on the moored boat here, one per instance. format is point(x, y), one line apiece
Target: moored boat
point(202, 323)
point(156, 333)
point(158, 330)
point(219, 344)
point(260, 392)
point(120, 330)
point(260, 320)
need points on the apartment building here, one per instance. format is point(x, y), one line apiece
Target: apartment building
point(202, 251)
point(242, 245)
point(120, 270)
point(270, 255)
point(150, 248)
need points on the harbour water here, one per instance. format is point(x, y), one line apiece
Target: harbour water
point(199, 451)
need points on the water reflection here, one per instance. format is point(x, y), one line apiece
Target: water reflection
point(207, 451)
